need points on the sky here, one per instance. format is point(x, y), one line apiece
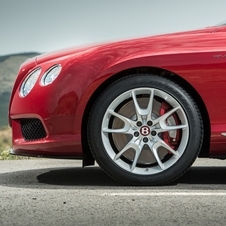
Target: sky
point(48, 25)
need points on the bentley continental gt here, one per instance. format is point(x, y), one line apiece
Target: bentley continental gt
point(144, 109)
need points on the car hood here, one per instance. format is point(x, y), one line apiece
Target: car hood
point(155, 44)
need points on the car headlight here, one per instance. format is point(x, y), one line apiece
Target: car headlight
point(29, 82)
point(51, 75)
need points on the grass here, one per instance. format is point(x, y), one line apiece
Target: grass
point(5, 144)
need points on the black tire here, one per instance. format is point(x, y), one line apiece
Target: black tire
point(145, 130)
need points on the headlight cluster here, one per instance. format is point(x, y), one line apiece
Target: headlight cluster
point(48, 77)
point(29, 82)
point(51, 75)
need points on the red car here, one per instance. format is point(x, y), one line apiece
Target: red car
point(144, 109)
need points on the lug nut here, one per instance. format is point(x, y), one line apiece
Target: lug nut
point(153, 133)
point(145, 139)
point(139, 123)
point(149, 123)
point(136, 134)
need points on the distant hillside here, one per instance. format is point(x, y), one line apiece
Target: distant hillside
point(9, 66)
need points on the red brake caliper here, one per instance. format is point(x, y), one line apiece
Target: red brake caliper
point(173, 142)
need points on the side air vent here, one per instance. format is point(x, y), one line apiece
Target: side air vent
point(32, 129)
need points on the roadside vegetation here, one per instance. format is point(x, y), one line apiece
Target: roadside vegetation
point(5, 144)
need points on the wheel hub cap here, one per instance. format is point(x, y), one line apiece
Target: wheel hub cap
point(145, 130)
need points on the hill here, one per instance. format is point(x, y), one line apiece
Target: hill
point(9, 65)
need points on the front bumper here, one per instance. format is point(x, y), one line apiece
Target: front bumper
point(43, 123)
point(31, 138)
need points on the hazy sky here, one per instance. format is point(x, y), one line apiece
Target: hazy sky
point(46, 25)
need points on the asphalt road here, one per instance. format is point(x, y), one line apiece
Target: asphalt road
point(61, 192)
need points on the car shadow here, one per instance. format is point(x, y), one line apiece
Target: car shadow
point(95, 176)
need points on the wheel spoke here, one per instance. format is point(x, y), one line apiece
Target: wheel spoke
point(129, 145)
point(137, 150)
point(125, 129)
point(137, 155)
point(161, 143)
point(165, 127)
point(150, 106)
point(162, 122)
point(154, 150)
point(140, 111)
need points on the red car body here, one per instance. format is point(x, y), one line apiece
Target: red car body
point(197, 59)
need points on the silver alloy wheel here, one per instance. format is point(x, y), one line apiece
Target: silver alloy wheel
point(145, 131)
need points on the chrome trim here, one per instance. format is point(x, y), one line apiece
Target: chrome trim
point(223, 134)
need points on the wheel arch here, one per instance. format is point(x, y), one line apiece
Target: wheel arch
point(88, 158)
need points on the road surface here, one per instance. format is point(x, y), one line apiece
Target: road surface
point(61, 192)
